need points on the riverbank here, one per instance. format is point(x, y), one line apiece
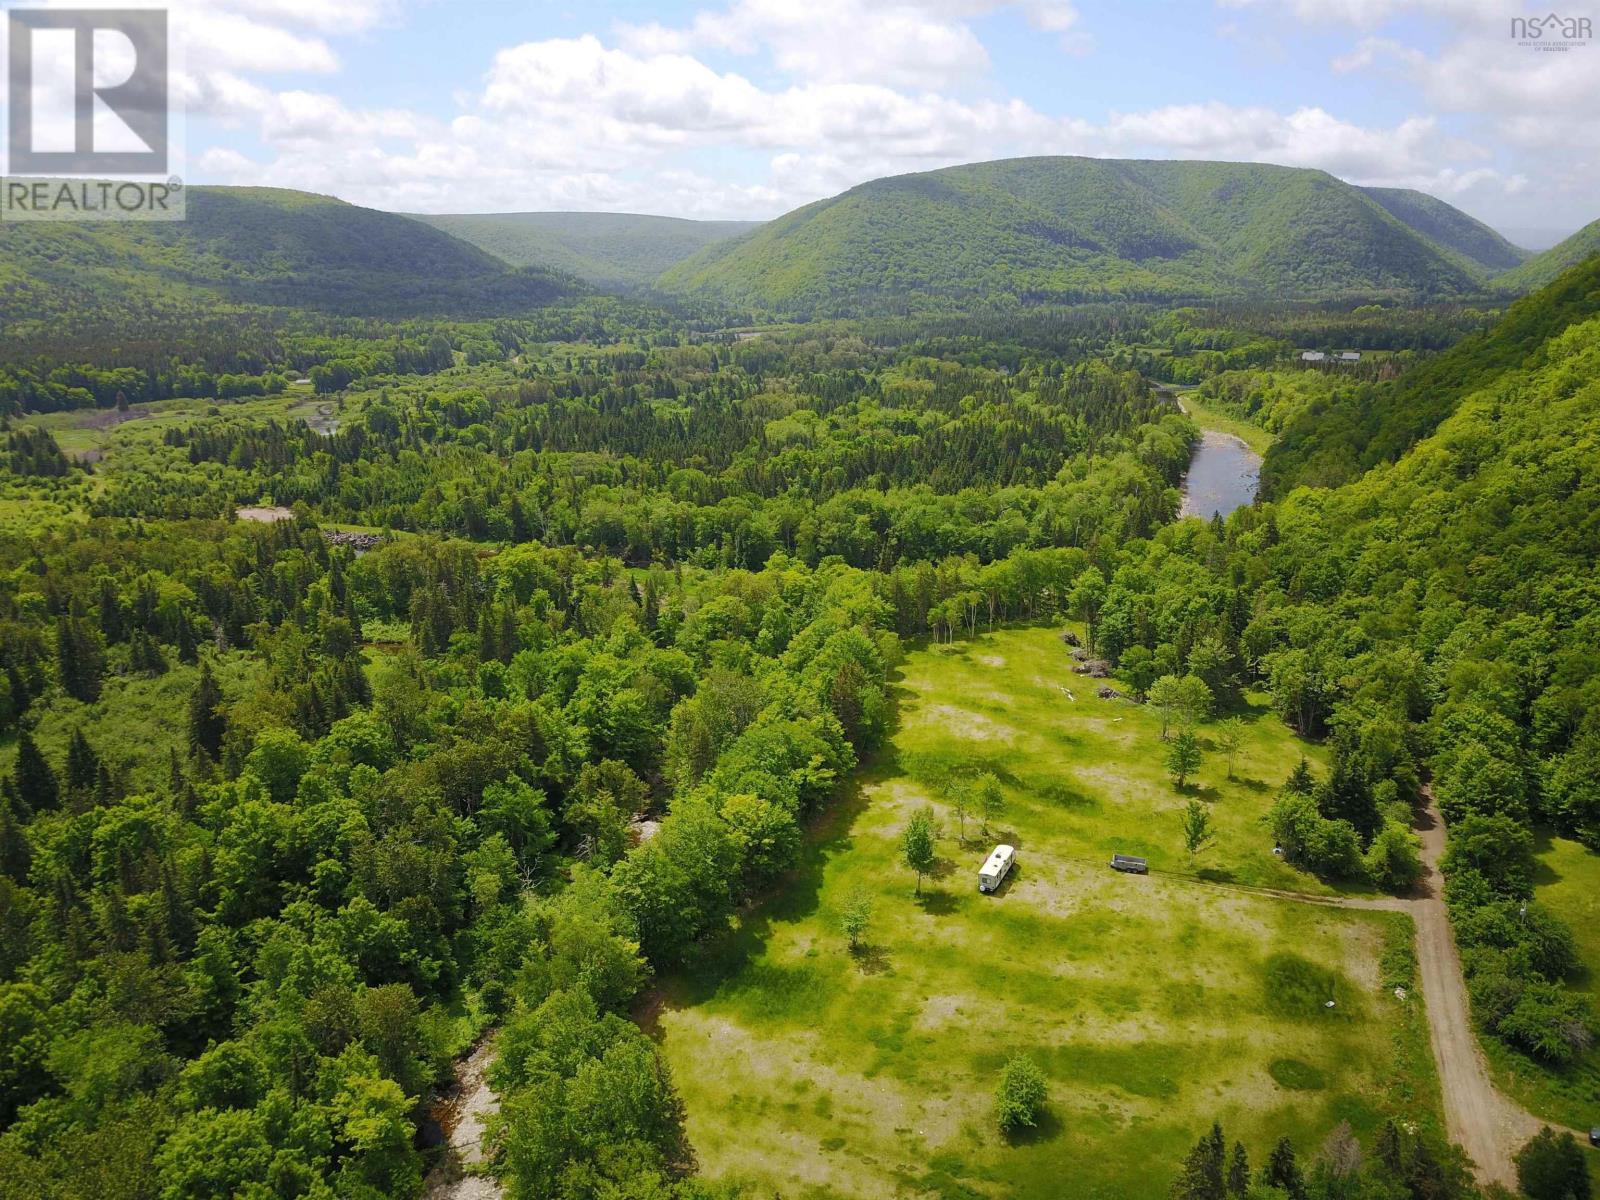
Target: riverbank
point(1210, 419)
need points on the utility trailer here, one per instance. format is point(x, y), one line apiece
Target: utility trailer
point(1129, 865)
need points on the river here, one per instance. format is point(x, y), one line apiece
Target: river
point(1224, 474)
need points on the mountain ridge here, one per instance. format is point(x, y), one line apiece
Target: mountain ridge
point(1072, 228)
point(265, 246)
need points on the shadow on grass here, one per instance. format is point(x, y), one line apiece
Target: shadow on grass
point(1046, 1128)
point(793, 898)
point(937, 904)
point(1005, 884)
point(1065, 796)
point(1543, 843)
point(1216, 875)
point(1000, 837)
point(872, 959)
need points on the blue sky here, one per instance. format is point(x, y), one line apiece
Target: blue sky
point(747, 108)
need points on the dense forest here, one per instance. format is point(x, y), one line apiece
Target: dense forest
point(575, 618)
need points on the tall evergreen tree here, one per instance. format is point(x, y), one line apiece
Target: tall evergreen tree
point(33, 777)
point(1202, 1175)
point(1283, 1171)
point(1239, 1172)
point(79, 659)
point(83, 764)
point(207, 725)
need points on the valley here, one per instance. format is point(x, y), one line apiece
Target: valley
point(515, 704)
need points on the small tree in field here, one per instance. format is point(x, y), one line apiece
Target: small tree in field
point(991, 800)
point(1021, 1094)
point(917, 844)
point(1164, 697)
point(1197, 832)
point(1230, 736)
point(1183, 758)
point(856, 916)
point(961, 801)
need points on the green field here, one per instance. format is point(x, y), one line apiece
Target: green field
point(1155, 1005)
point(1206, 417)
point(1568, 883)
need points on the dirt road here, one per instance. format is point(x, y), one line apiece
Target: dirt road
point(1487, 1125)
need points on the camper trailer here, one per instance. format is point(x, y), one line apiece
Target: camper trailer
point(996, 868)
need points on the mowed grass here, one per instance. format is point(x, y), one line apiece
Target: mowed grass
point(1155, 1005)
point(1567, 882)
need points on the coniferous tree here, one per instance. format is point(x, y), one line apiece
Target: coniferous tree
point(83, 764)
point(1202, 1175)
point(15, 853)
point(1388, 1150)
point(1301, 782)
point(111, 623)
point(79, 659)
point(1283, 1171)
point(33, 777)
point(207, 725)
point(1239, 1172)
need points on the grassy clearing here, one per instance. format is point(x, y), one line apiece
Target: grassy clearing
point(1568, 883)
point(1257, 438)
point(99, 431)
point(1153, 1004)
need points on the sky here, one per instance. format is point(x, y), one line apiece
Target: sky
point(748, 108)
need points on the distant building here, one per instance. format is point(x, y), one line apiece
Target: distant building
point(1312, 356)
point(1350, 356)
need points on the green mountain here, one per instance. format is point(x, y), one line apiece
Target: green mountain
point(1365, 426)
point(1449, 227)
point(1068, 229)
point(609, 250)
point(261, 246)
point(1543, 268)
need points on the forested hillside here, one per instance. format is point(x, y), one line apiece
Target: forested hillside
point(609, 250)
point(1354, 428)
point(1073, 229)
point(1449, 227)
point(259, 246)
point(1544, 267)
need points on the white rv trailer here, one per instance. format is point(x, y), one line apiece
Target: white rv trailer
point(996, 868)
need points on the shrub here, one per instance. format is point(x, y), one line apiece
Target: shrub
point(1021, 1094)
point(1549, 1023)
point(1392, 861)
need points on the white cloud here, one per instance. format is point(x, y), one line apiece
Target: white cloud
point(901, 43)
point(637, 123)
point(577, 123)
point(1372, 14)
point(1529, 100)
